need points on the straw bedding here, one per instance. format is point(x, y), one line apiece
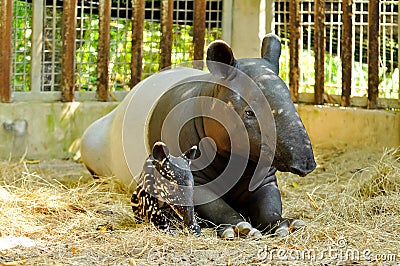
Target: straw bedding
point(54, 213)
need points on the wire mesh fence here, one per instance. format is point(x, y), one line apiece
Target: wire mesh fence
point(52, 45)
point(87, 35)
point(21, 38)
point(152, 37)
point(389, 48)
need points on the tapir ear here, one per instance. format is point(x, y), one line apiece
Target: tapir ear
point(160, 151)
point(191, 153)
point(219, 51)
point(271, 50)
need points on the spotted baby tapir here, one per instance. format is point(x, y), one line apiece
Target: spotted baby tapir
point(165, 189)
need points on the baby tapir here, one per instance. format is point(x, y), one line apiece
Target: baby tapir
point(165, 187)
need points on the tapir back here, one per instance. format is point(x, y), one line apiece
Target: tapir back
point(117, 144)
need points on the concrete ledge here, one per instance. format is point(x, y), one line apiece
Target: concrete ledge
point(54, 129)
point(351, 127)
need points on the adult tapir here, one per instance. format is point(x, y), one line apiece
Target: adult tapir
point(241, 116)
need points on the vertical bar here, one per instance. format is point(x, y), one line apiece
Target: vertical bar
point(269, 16)
point(347, 51)
point(167, 8)
point(6, 11)
point(137, 41)
point(373, 53)
point(307, 7)
point(37, 45)
point(294, 46)
point(68, 51)
point(199, 24)
point(262, 17)
point(103, 50)
point(227, 20)
point(319, 48)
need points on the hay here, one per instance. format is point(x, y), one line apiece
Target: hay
point(350, 203)
point(385, 176)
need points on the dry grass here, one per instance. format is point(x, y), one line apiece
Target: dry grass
point(350, 203)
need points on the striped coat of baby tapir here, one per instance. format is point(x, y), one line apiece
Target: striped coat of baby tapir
point(165, 189)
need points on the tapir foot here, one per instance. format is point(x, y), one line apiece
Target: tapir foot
point(289, 226)
point(242, 229)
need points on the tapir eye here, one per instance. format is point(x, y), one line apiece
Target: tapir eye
point(250, 113)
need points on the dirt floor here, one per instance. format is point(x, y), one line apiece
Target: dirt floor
point(54, 213)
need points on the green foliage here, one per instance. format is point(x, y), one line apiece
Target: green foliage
point(86, 55)
point(21, 46)
point(120, 56)
point(151, 48)
point(182, 48)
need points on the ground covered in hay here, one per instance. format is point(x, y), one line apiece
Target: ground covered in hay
point(53, 213)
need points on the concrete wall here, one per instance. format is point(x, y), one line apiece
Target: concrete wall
point(351, 127)
point(245, 24)
point(54, 129)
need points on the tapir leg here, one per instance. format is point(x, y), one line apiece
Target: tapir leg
point(219, 213)
point(266, 210)
point(216, 211)
point(266, 207)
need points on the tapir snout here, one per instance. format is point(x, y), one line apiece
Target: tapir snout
point(293, 149)
point(303, 166)
point(188, 217)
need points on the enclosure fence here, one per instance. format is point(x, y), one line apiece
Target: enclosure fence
point(340, 52)
point(59, 47)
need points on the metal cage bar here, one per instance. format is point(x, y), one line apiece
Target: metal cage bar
point(347, 51)
point(6, 11)
point(199, 25)
point(103, 57)
point(373, 53)
point(319, 48)
point(167, 9)
point(37, 46)
point(68, 51)
point(294, 71)
point(137, 42)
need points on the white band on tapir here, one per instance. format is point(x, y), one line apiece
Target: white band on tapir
point(136, 109)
